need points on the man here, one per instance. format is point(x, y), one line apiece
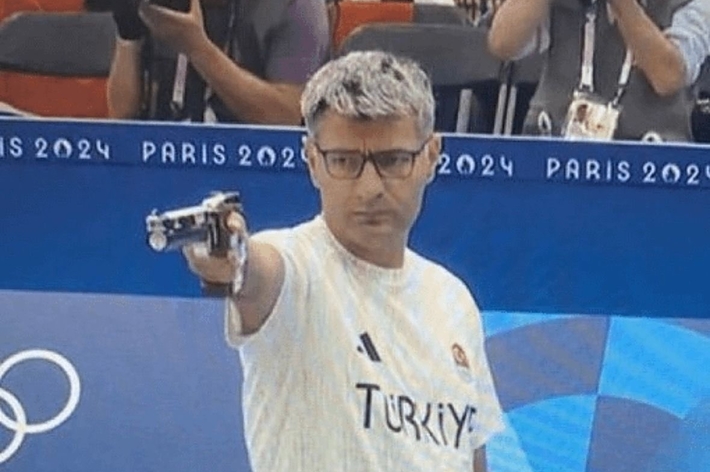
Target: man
point(359, 354)
point(250, 68)
point(635, 80)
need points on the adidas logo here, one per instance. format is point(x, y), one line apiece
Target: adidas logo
point(366, 346)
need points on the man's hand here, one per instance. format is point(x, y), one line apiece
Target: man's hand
point(212, 269)
point(263, 275)
point(185, 32)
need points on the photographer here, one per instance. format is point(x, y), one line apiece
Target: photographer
point(629, 64)
point(220, 60)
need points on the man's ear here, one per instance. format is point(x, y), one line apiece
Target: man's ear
point(433, 153)
point(311, 160)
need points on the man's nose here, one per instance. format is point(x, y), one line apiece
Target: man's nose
point(369, 185)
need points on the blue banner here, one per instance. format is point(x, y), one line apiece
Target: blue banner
point(520, 220)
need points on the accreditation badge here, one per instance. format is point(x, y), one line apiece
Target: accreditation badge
point(589, 117)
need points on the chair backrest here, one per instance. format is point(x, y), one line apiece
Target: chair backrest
point(432, 13)
point(456, 58)
point(453, 55)
point(347, 15)
point(10, 7)
point(63, 44)
point(56, 64)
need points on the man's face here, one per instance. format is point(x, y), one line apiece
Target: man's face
point(371, 210)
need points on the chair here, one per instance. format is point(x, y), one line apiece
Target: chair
point(457, 60)
point(56, 64)
point(347, 15)
point(10, 7)
point(431, 13)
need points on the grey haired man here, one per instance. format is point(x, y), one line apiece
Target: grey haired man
point(358, 353)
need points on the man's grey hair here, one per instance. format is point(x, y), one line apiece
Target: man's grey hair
point(368, 85)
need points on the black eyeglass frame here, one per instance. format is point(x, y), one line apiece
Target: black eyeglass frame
point(370, 156)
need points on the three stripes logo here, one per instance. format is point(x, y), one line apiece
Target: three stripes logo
point(368, 347)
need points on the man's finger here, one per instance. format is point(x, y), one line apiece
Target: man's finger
point(196, 251)
point(235, 223)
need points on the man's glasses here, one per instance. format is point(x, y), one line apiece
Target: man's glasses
point(390, 164)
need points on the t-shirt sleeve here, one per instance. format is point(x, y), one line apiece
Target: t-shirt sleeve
point(690, 32)
point(301, 44)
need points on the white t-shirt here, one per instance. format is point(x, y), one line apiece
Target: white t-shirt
point(361, 368)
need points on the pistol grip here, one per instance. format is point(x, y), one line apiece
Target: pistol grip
point(215, 290)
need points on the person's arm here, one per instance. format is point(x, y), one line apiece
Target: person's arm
point(251, 99)
point(247, 96)
point(263, 276)
point(690, 32)
point(123, 87)
point(479, 460)
point(514, 26)
point(656, 55)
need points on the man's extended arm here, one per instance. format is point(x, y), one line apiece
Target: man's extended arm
point(263, 276)
point(514, 26)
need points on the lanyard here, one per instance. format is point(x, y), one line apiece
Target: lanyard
point(586, 83)
point(178, 98)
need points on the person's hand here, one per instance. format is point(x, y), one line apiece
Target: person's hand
point(212, 269)
point(182, 31)
point(128, 23)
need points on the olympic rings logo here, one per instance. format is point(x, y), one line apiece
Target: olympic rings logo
point(19, 425)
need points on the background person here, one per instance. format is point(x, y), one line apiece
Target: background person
point(242, 60)
point(667, 42)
